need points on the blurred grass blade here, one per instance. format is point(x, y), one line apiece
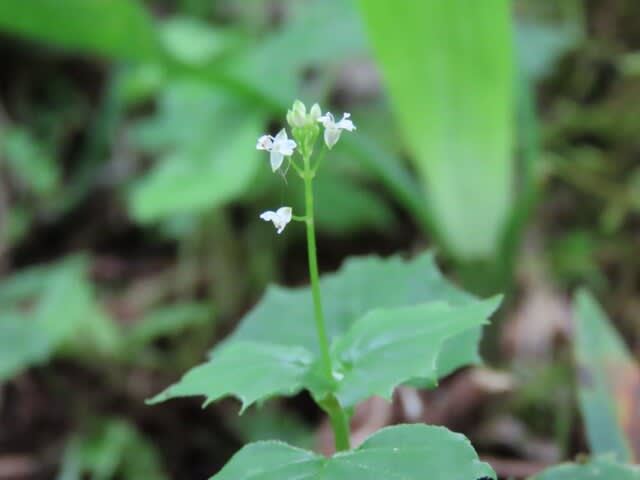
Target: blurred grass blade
point(608, 382)
point(449, 68)
point(117, 28)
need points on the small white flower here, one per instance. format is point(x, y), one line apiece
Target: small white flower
point(280, 217)
point(279, 147)
point(333, 129)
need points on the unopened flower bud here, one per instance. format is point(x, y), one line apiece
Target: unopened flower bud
point(297, 116)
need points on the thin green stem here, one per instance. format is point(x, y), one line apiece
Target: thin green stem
point(297, 168)
point(315, 277)
point(339, 422)
point(339, 419)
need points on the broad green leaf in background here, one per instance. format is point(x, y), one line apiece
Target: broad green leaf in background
point(449, 68)
point(608, 382)
point(407, 452)
point(398, 344)
point(314, 36)
point(113, 448)
point(21, 344)
point(64, 316)
point(121, 29)
point(598, 469)
point(195, 42)
point(207, 143)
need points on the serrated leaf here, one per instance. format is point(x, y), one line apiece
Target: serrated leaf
point(598, 469)
point(403, 452)
point(374, 349)
point(362, 284)
point(388, 347)
point(250, 371)
point(608, 381)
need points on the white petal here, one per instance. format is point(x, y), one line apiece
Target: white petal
point(265, 142)
point(268, 216)
point(327, 120)
point(286, 147)
point(285, 214)
point(281, 136)
point(331, 136)
point(276, 159)
point(346, 124)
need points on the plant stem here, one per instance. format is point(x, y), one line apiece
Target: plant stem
point(339, 422)
point(338, 416)
point(315, 283)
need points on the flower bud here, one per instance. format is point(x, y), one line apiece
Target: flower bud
point(297, 116)
point(315, 113)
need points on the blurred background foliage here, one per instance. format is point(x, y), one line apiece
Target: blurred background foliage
point(502, 135)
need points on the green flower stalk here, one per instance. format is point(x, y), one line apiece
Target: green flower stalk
point(305, 129)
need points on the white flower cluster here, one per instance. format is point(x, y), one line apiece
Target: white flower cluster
point(282, 146)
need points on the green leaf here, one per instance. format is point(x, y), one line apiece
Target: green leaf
point(454, 102)
point(208, 152)
point(22, 344)
point(63, 316)
point(117, 28)
point(598, 469)
point(195, 42)
point(403, 452)
point(112, 448)
point(275, 350)
point(608, 379)
point(362, 284)
point(314, 36)
point(250, 371)
point(388, 347)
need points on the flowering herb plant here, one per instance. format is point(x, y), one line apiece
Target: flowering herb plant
point(362, 331)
